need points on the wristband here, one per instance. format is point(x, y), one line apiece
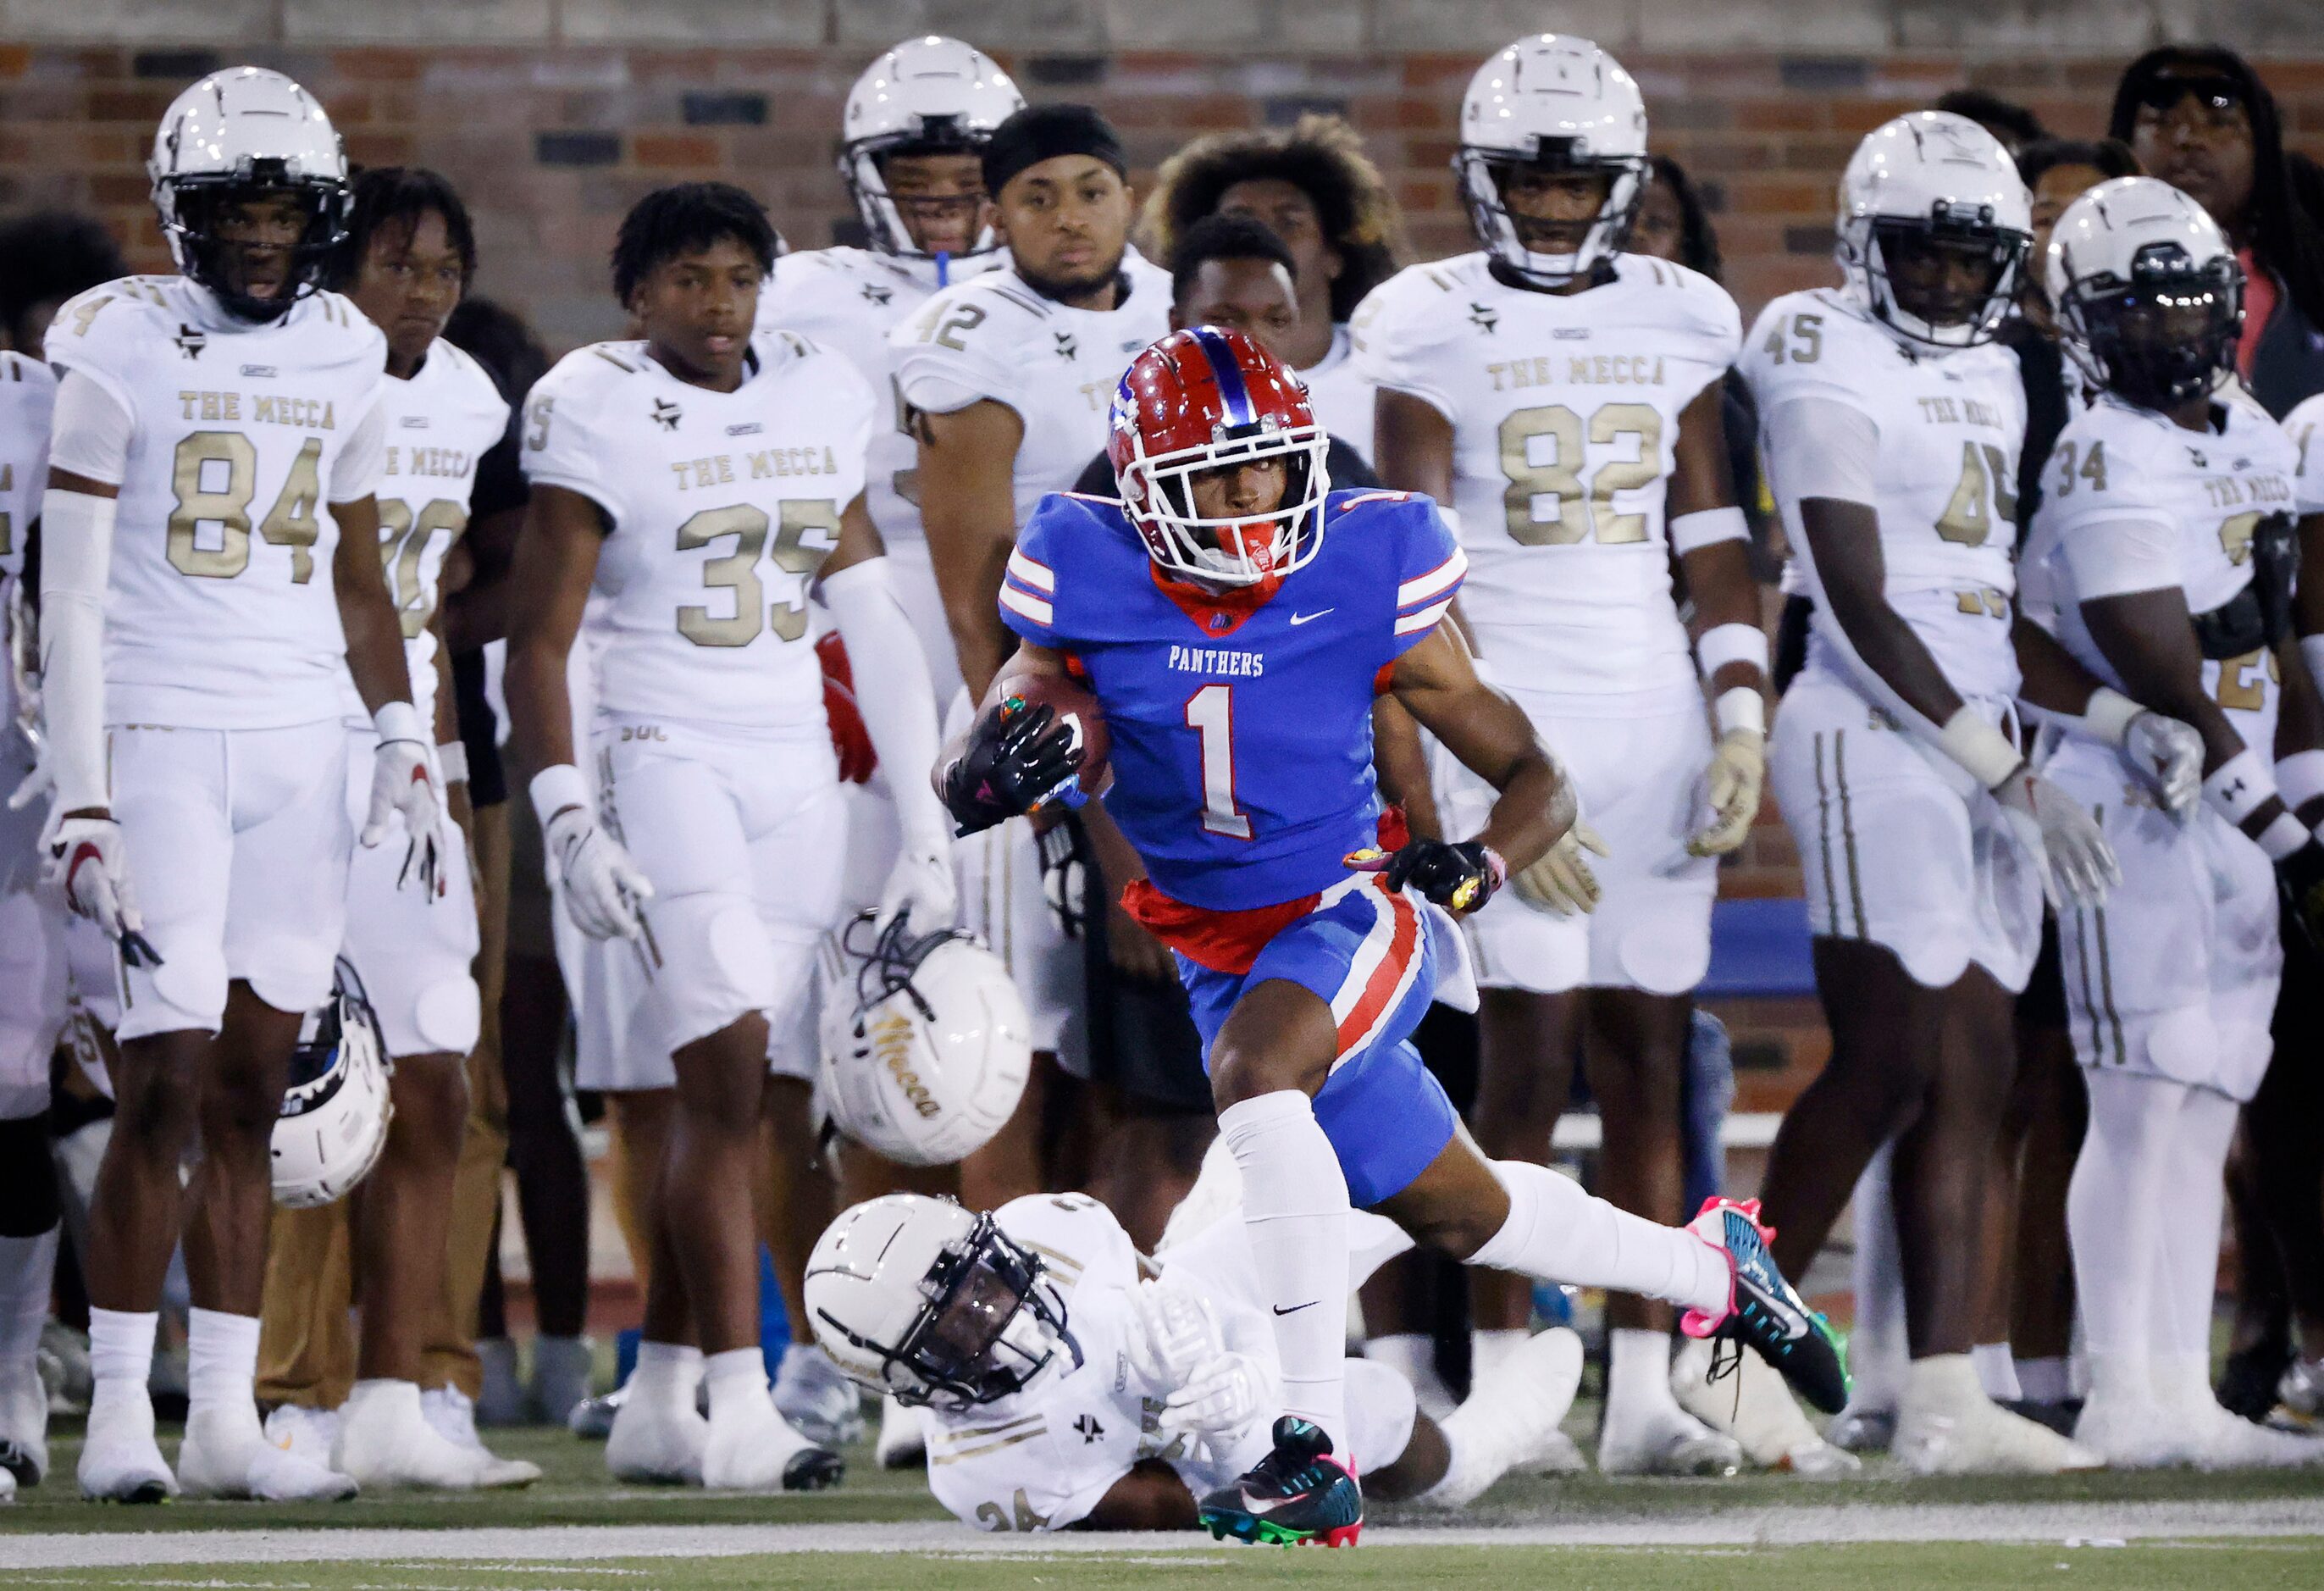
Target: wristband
point(1707, 527)
point(452, 761)
point(2299, 778)
point(2242, 786)
point(555, 788)
point(399, 720)
point(2280, 838)
point(1989, 756)
point(1732, 643)
point(2107, 714)
point(1741, 708)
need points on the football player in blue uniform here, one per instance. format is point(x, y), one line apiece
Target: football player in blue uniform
point(1234, 619)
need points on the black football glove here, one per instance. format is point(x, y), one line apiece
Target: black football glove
point(2301, 877)
point(1015, 761)
point(1458, 877)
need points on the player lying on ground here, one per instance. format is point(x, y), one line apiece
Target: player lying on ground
point(1072, 1383)
point(1235, 620)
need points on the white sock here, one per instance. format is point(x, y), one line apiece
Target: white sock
point(221, 1362)
point(735, 1377)
point(1876, 1344)
point(1996, 1372)
point(666, 1369)
point(1558, 1232)
point(1942, 1382)
point(2114, 1209)
point(2187, 1274)
point(1638, 1378)
point(383, 1398)
point(121, 1351)
point(1488, 1349)
point(27, 1266)
point(2127, 1378)
point(1294, 1209)
point(2045, 1380)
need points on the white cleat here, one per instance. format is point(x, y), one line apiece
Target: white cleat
point(310, 1433)
point(903, 1436)
point(385, 1441)
point(752, 1448)
point(24, 1423)
point(1679, 1446)
point(451, 1415)
point(120, 1461)
point(1751, 1403)
point(226, 1454)
point(1948, 1426)
point(2132, 1433)
point(7, 1486)
point(657, 1441)
point(1510, 1418)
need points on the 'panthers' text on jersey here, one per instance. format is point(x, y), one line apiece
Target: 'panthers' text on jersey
point(2117, 465)
point(1056, 366)
point(220, 613)
point(723, 507)
point(27, 393)
point(439, 423)
point(2305, 426)
point(1241, 726)
point(848, 300)
point(1950, 423)
point(1040, 1459)
point(1565, 417)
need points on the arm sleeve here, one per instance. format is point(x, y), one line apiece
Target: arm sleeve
point(891, 691)
point(1428, 575)
point(356, 471)
point(90, 431)
point(1819, 447)
point(76, 564)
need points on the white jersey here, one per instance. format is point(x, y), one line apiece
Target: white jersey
point(1341, 394)
point(1951, 425)
point(1042, 1459)
point(1056, 366)
point(28, 390)
point(723, 507)
point(2305, 427)
point(2117, 467)
point(848, 300)
point(220, 613)
point(439, 423)
point(1564, 412)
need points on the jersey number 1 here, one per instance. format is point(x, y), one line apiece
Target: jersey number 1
point(1210, 710)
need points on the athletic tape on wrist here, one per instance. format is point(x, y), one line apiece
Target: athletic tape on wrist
point(2299, 778)
point(1989, 756)
point(2242, 786)
point(2107, 715)
point(1741, 708)
point(557, 788)
point(1730, 643)
point(1705, 527)
point(399, 720)
point(2283, 837)
point(452, 761)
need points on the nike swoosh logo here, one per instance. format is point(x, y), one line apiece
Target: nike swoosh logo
point(1301, 619)
point(1294, 1308)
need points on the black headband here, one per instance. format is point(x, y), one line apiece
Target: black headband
point(1044, 132)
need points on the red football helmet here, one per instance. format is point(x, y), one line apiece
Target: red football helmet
point(1203, 399)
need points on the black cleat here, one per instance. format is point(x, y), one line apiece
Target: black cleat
point(1767, 1311)
point(1298, 1493)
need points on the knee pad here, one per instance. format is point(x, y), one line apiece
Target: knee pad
point(448, 1016)
point(713, 963)
point(1381, 1409)
point(187, 990)
point(2182, 1046)
point(29, 1204)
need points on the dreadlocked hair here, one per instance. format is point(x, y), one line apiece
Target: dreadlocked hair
point(685, 218)
point(1321, 156)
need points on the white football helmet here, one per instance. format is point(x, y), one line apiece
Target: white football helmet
point(915, 1296)
point(930, 94)
point(336, 1108)
point(2148, 293)
point(1560, 103)
point(925, 1043)
point(1935, 178)
point(247, 129)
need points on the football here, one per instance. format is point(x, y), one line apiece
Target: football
point(1076, 707)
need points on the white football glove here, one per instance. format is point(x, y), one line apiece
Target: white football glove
point(2169, 756)
point(1222, 1397)
point(2069, 850)
point(1179, 1333)
point(88, 861)
point(604, 888)
point(920, 886)
point(1561, 881)
point(1738, 773)
point(403, 780)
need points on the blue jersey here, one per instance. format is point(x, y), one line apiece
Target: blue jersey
point(1241, 723)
